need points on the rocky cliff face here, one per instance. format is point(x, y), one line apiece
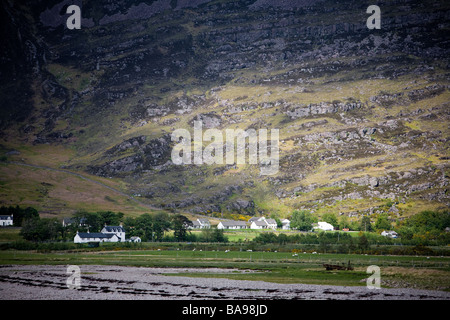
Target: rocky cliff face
point(363, 114)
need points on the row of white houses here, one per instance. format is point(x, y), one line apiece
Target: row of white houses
point(254, 223)
point(117, 233)
point(267, 223)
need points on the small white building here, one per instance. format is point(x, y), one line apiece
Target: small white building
point(263, 223)
point(195, 225)
point(135, 239)
point(6, 221)
point(271, 224)
point(204, 223)
point(325, 226)
point(286, 224)
point(389, 234)
point(258, 224)
point(200, 224)
point(232, 225)
point(119, 231)
point(89, 237)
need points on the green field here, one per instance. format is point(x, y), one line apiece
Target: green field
point(288, 263)
point(280, 267)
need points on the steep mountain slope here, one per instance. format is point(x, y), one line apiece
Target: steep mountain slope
point(362, 114)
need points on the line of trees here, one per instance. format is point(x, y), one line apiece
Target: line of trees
point(149, 227)
point(20, 214)
point(425, 228)
point(426, 224)
point(45, 229)
point(321, 238)
point(83, 221)
point(303, 219)
point(34, 228)
point(153, 227)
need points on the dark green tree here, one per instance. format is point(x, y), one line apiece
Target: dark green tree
point(302, 220)
point(144, 223)
point(206, 235)
point(30, 229)
point(110, 218)
point(426, 225)
point(36, 229)
point(363, 243)
point(218, 235)
point(383, 223)
point(365, 224)
point(331, 218)
point(179, 226)
point(344, 222)
point(161, 224)
point(19, 214)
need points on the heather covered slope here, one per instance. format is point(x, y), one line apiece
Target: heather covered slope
point(363, 114)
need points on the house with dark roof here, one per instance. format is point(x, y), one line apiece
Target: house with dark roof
point(119, 231)
point(107, 234)
point(271, 223)
point(258, 224)
point(89, 237)
point(204, 223)
point(389, 234)
point(135, 239)
point(232, 225)
point(195, 225)
point(262, 223)
point(6, 221)
point(200, 224)
point(253, 219)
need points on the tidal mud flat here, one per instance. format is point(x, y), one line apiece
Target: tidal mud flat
point(42, 282)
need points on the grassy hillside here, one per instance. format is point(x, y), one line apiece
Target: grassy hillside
point(362, 114)
point(35, 178)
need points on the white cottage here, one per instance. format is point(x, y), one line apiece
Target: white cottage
point(263, 223)
point(389, 234)
point(286, 224)
point(200, 224)
point(325, 226)
point(271, 223)
point(232, 225)
point(135, 239)
point(119, 231)
point(204, 223)
point(89, 237)
point(6, 221)
point(258, 224)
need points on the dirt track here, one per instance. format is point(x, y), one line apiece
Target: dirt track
point(114, 283)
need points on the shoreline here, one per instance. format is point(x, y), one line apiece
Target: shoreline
point(49, 282)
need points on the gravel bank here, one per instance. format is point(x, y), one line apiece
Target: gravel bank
point(31, 282)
